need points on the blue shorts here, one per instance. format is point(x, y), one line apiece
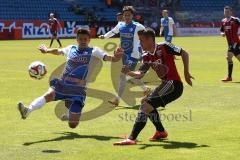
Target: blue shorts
point(168, 39)
point(130, 62)
point(69, 91)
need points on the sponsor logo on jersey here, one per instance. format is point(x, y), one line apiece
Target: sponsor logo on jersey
point(83, 60)
point(126, 35)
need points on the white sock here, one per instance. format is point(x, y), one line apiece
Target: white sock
point(122, 84)
point(37, 104)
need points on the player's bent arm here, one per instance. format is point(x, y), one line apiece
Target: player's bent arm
point(116, 57)
point(136, 74)
point(54, 51)
point(223, 34)
point(174, 30)
point(59, 25)
point(185, 59)
point(111, 33)
point(161, 31)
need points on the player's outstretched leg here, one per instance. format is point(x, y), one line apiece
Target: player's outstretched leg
point(74, 114)
point(230, 67)
point(36, 104)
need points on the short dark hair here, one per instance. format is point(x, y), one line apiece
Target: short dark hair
point(228, 7)
point(128, 8)
point(83, 31)
point(148, 32)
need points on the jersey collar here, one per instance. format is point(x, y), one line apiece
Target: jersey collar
point(154, 50)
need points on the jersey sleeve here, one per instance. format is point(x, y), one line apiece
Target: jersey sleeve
point(161, 21)
point(65, 51)
point(97, 52)
point(222, 27)
point(171, 21)
point(140, 27)
point(237, 21)
point(113, 32)
point(172, 49)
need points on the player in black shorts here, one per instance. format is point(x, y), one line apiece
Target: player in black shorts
point(54, 26)
point(159, 57)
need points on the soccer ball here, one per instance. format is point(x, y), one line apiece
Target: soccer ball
point(37, 70)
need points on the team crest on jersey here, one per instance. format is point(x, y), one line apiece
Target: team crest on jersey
point(130, 29)
point(127, 35)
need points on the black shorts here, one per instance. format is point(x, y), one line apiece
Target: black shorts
point(234, 48)
point(165, 93)
point(54, 33)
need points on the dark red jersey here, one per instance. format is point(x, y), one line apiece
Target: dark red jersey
point(230, 28)
point(162, 61)
point(53, 23)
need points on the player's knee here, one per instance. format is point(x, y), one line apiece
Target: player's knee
point(73, 120)
point(49, 96)
point(146, 108)
point(73, 124)
point(229, 59)
point(143, 100)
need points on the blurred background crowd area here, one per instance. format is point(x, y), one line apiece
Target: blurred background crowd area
point(186, 13)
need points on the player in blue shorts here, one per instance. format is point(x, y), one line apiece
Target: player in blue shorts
point(71, 87)
point(168, 28)
point(132, 50)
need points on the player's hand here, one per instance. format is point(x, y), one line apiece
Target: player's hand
point(101, 37)
point(43, 48)
point(188, 78)
point(118, 53)
point(138, 74)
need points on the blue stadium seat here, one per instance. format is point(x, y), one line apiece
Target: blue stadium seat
point(33, 10)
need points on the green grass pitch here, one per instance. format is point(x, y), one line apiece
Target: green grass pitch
point(209, 128)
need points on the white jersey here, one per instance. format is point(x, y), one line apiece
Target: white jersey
point(129, 37)
point(167, 23)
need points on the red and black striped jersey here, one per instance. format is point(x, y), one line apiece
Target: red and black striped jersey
point(162, 61)
point(230, 28)
point(53, 23)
